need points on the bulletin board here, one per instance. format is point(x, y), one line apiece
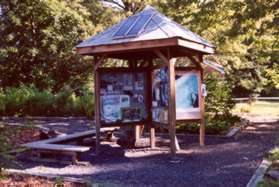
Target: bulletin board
point(122, 96)
point(160, 95)
point(187, 94)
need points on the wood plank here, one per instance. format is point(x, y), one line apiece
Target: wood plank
point(149, 103)
point(129, 46)
point(172, 107)
point(97, 109)
point(195, 46)
point(202, 108)
point(161, 56)
point(133, 46)
point(177, 147)
point(152, 138)
point(98, 62)
point(58, 147)
point(68, 137)
point(196, 62)
point(122, 70)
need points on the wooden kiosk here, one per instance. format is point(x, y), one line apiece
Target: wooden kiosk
point(149, 90)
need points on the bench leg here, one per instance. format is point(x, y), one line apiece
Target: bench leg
point(75, 158)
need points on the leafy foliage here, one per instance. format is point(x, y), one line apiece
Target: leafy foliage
point(37, 48)
point(39, 40)
point(219, 98)
point(215, 124)
point(28, 100)
point(5, 147)
point(245, 34)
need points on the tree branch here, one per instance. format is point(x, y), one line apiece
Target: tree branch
point(115, 3)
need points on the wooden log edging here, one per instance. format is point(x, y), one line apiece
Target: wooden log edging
point(259, 173)
point(47, 176)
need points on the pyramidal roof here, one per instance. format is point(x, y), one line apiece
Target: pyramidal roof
point(149, 24)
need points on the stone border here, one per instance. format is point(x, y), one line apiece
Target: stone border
point(259, 173)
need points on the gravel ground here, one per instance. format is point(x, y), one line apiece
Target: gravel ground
point(222, 162)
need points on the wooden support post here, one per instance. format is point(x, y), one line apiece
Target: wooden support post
point(170, 63)
point(172, 107)
point(202, 109)
point(177, 147)
point(137, 133)
point(97, 63)
point(152, 138)
point(97, 112)
point(149, 104)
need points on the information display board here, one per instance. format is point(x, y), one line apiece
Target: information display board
point(187, 95)
point(187, 89)
point(160, 95)
point(123, 96)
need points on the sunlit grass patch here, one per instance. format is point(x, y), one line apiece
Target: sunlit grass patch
point(258, 107)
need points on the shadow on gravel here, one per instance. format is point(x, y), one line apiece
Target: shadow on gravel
point(229, 162)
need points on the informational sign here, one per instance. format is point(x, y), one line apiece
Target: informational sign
point(122, 96)
point(160, 97)
point(187, 89)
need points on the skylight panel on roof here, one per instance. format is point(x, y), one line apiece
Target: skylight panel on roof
point(151, 25)
point(125, 26)
point(140, 23)
point(132, 26)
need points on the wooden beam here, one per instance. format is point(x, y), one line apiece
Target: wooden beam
point(137, 133)
point(98, 61)
point(152, 138)
point(149, 103)
point(145, 45)
point(196, 62)
point(171, 103)
point(144, 63)
point(195, 46)
point(97, 106)
point(170, 62)
point(202, 109)
point(129, 46)
point(177, 147)
point(161, 56)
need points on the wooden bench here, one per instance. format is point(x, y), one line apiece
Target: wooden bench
point(54, 145)
point(71, 150)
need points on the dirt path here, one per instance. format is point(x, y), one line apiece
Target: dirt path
point(222, 162)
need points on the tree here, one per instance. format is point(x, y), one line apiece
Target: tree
point(38, 41)
point(244, 32)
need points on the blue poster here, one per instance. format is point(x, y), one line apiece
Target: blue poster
point(187, 95)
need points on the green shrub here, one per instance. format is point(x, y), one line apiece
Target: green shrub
point(2, 102)
point(29, 101)
point(215, 124)
point(15, 98)
point(6, 159)
point(218, 99)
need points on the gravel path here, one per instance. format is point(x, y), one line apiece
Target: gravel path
point(222, 162)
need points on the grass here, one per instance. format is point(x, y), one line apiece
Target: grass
point(258, 107)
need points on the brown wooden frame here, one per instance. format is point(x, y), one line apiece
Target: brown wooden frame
point(165, 54)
